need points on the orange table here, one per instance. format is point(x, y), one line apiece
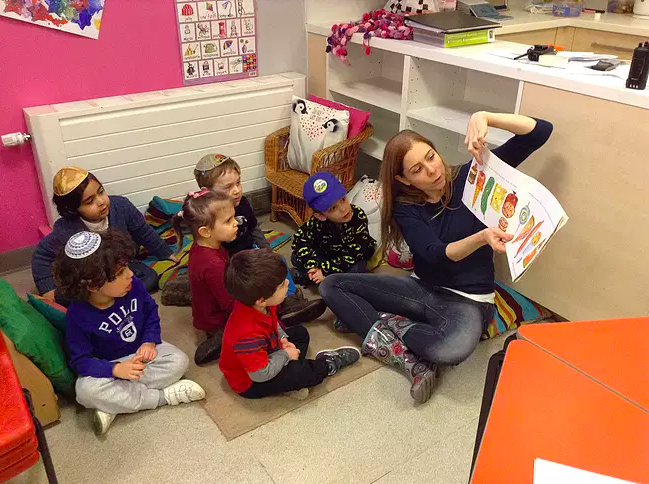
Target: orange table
point(614, 353)
point(544, 408)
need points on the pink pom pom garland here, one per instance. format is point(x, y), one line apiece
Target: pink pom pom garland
point(378, 23)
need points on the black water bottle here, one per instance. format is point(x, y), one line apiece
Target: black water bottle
point(639, 67)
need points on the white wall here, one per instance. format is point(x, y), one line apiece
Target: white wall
point(339, 10)
point(282, 36)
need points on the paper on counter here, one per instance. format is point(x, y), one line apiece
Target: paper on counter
point(506, 54)
point(584, 56)
point(546, 472)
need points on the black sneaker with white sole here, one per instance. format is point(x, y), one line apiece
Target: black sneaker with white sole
point(339, 358)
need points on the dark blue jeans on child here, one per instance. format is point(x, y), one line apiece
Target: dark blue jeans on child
point(297, 374)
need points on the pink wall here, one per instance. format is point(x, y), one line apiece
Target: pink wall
point(137, 51)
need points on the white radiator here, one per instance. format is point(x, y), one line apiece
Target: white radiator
point(147, 144)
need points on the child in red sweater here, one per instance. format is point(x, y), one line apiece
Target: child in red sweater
point(259, 357)
point(210, 217)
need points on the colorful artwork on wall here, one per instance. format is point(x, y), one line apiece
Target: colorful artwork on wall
point(80, 17)
point(218, 40)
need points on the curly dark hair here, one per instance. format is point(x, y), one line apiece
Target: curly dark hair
point(68, 205)
point(74, 277)
point(254, 274)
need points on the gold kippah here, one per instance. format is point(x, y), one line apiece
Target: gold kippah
point(209, 162)
point(67, 179)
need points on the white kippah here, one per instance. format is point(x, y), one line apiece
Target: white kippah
point(82, 244)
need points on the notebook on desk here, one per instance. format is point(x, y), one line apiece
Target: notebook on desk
point(449, 22)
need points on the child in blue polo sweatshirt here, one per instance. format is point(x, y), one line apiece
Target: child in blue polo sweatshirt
point(113, 332)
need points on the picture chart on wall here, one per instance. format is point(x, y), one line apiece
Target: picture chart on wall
point(218, 40)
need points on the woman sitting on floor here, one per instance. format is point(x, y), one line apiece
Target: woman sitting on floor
point(449, 302)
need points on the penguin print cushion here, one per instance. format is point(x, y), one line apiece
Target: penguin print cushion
point(313, 127)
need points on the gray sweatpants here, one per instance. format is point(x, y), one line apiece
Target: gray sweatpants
point(113, 395)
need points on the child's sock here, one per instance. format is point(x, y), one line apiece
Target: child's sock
point(162, 401)
point(301, 394)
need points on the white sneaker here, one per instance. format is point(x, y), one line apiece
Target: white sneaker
point(102, 421)
point(183, 391)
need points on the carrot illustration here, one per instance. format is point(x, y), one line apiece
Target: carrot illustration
point(531, 255)
point(528, 237)
point(532, 243)
point(478, 188)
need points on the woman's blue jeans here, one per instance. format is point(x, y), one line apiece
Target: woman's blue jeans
point(447, 326)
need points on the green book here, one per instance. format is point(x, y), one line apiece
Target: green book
point(441, 39)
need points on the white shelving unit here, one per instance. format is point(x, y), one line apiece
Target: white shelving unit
point(384, 129)
point(431, 97)
point(455, 119)
point(372, 83)
point(380, 92)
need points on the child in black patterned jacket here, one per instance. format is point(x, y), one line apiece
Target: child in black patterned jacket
point(336, 238)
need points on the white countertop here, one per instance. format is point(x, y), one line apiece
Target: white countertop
point(478, 58)
point(609, 22)
point(526, 22)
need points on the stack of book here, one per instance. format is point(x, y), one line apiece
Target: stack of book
point(451, 29)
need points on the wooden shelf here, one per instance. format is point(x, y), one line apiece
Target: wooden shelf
point(455, 118)
point(381, 92)
point(383, 131)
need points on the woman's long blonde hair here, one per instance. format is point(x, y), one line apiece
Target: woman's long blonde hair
point(395, 191)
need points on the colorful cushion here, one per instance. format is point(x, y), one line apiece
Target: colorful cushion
point(313, 127)
point(276, 239)
point(53, 311)
point(512, 310)
point(35, 338)
point(357, 118)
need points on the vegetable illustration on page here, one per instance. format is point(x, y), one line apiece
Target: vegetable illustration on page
point(516, 204)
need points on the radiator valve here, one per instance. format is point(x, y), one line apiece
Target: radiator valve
point(14, 139)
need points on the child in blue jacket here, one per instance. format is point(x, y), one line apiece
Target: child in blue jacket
point(83, 204)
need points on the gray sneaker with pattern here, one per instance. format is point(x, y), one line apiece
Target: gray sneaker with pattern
point(339, 358)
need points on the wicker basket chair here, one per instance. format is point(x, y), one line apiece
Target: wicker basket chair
point(339, 159)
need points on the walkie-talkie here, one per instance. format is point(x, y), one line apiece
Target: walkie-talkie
point(639, 67)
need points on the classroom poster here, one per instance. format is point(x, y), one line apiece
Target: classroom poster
point(218, 40)
point(80, 17)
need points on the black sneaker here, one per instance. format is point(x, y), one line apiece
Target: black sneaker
point(210, 349)
point(296, 310)
point(339, 358)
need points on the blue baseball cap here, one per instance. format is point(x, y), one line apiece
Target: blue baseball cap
point(321, 190)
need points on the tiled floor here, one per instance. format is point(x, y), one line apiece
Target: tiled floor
point(366, 432)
